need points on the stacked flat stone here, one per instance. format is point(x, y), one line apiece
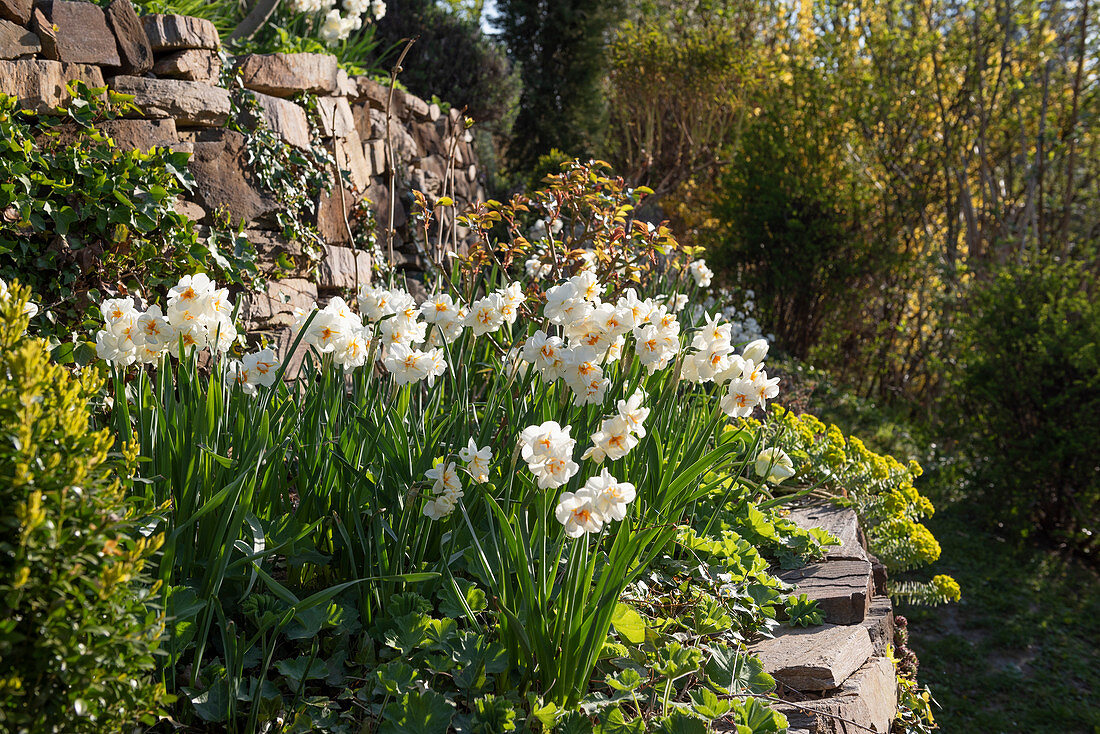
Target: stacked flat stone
point(171, 65)
point(838, 673)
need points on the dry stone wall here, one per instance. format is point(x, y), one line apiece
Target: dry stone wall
point(171, 65)
point(837, 677)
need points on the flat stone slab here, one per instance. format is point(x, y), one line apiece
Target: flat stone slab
point(816, 658)
point(82, 34)
point(285, 118)
point(282, 75)
point(188, 103)
point(16, 41)
point(39, 84)
point(839, 521)
point(350, 158)
point(337, 268)
point(17, 11)
point(192, 64)
point(880, 624)
point(178, 32)
point(140, 134)
point(224, 181)
point(842, 588)
point(868, 699)
point(336, 117)
point(135, 53)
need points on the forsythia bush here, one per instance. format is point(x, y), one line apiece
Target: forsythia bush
point(77, 635)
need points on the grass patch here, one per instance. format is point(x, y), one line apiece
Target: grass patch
point(1019, 652)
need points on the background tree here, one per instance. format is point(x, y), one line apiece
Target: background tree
point(560, 48)
point(453, 60)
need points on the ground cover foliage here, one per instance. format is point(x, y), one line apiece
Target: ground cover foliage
point(531, 502)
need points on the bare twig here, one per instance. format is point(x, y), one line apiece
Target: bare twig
point(339, 178)
point(390, 159)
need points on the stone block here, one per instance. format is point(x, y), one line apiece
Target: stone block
point(282, 75)
point(82, 35)
point(414, 106)
point(17, 41)
point(271, 247)
point(179, 32)
point(842, 588)
point(405, 149)
point(39, 84)
point(192, 64)
point(337, 269)
point(376, 151)
point(336, 118)
point(140, 134)
point(434, 112)
point(331, 215)
point(345, 86)
point(190, 209)
point(271, 314)
point(815, 658)
point(47, 34)
point(839, 521)
point(285, 118)
point(188, 103)
point(880, 624)
point(426, 137)
point(373, 93)
point(350, 158)
point(878, 572)
point(17, 11)
point(224, 180)
point(867, 702)
point(135, 53)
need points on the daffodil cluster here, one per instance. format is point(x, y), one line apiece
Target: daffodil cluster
point(335, 330)
point(619, 433)
point(593, 333)
point(446, 490)
point(602, 500)
point(253, 370)
point(548, 451)
point(749, 384)
point(736, 307)
point(701, 273)
point(199, 316)
point(476, 460)
point(338, 26)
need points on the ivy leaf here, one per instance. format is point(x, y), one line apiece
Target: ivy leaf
point(628, 623)
point(417, 713)
point(62, 218)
